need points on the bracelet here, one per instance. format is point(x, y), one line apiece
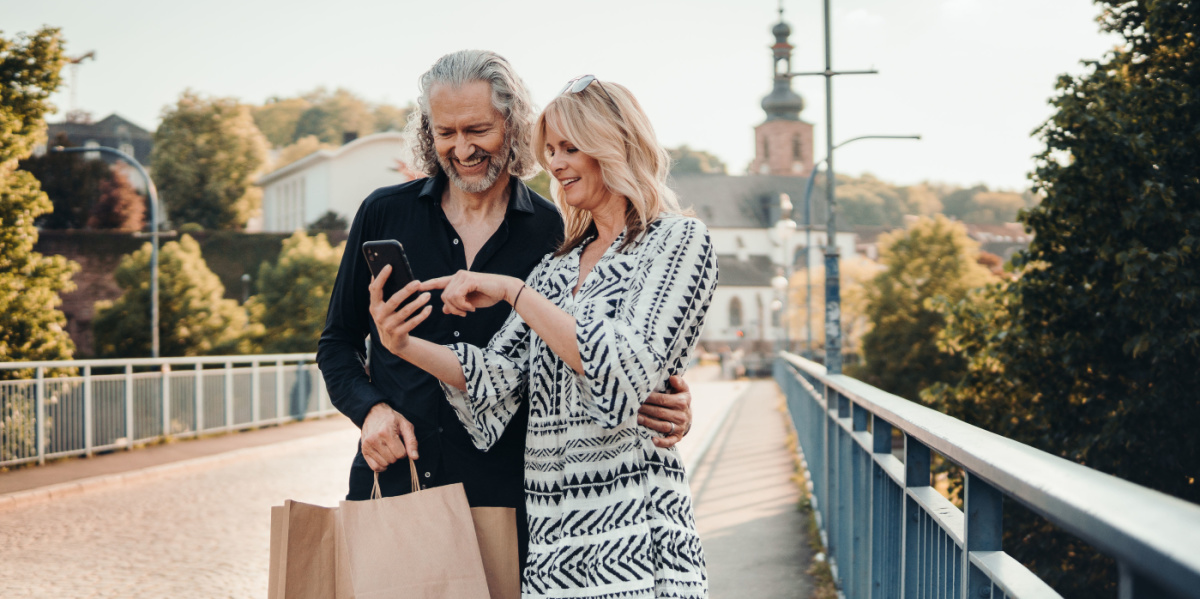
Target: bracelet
point(516, 299)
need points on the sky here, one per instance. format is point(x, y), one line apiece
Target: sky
point(972, 77)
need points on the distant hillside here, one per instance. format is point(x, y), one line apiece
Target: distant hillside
point(867, 201)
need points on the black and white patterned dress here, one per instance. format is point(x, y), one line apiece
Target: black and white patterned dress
point(610, 514)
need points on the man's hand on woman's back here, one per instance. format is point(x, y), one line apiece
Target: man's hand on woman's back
point(668, 413)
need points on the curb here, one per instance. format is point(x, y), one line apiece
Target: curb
point(86, 485)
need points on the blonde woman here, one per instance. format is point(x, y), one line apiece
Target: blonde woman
point(598, 326)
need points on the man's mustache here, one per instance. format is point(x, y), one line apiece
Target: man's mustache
point(477, 155)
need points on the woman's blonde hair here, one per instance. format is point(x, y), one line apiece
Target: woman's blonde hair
point(613, 129)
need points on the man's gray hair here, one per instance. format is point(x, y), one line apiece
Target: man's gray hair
point(509, 97)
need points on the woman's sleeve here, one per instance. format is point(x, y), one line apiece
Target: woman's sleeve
point(627, 352)
point(496, 376)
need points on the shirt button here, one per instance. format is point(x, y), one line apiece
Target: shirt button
point(427, 475)
point(455, 333)
point(455, 242)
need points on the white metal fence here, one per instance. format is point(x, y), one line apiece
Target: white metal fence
point(110, 404)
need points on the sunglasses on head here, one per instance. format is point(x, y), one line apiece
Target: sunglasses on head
point(582, 82)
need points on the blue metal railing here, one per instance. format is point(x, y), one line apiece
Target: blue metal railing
point(101, 405)
point(890, 534)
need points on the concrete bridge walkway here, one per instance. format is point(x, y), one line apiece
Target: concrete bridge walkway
point(191, 519)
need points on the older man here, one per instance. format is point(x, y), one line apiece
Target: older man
point(472, 212)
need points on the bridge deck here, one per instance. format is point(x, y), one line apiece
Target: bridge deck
point(190, 519)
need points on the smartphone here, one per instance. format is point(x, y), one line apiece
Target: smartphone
point(389, 251)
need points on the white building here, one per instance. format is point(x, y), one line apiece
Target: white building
point(742, 213)
point(335, 180)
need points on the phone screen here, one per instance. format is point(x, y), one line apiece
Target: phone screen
point(380, 253)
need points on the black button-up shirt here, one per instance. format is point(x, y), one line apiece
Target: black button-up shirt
point(412, 214)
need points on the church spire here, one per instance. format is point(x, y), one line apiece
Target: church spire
point(782, 103)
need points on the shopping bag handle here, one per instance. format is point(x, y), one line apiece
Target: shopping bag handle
point(412, 472)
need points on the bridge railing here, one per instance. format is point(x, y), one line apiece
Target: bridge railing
point(889, 533)
point(77, 407)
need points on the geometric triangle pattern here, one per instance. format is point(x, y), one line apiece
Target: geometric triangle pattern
point(610, 515)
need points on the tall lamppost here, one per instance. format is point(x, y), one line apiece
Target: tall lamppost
point(784, 228)
point(153, 192)
point(812, 177)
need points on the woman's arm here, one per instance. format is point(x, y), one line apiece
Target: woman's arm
point(467, 290)
point(394, 327)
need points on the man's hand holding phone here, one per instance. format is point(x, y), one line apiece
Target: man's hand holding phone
point(393, 321)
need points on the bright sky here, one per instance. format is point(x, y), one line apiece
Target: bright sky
point(971, 76)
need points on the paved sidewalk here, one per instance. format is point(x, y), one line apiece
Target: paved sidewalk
point(23, 481)
point(753, 533)
point(189, 519)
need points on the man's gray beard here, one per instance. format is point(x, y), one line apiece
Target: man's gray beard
point(495, 169)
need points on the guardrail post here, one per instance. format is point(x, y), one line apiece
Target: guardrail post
point(88, 413)
point(302, 388)
point(916, 474)
point(830, 493)
point(129, 406)
point(165, 372)
point(1132, 585)
point(198, 405)
point(229, 396)
point(845, 507)
point(279, 390)
point(39, 403)
point(983, 507)
point(885, 574)
point(255, 394)
point(859, 566)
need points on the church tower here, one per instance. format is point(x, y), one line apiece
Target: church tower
point(783, 144)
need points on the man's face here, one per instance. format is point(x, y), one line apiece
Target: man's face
point(468, 134)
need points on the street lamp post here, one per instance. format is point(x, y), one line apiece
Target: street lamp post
point(808, 188)
point(782, 283)
point(154, 233)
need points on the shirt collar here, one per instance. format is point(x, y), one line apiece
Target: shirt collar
point(518, 198)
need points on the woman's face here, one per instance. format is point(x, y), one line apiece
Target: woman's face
point(579, 174)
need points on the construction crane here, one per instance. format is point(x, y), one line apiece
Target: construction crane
point(74, 62)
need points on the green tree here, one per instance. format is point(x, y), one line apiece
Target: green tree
point(194, 317)
point(31, 325)
point(932, 258)
point(687, 160)
point(330, 221)
point(206, 153)
point(1091, 353)
point(293, 294)
point(72, 183)
point(391, 118)
point(866, 200)
point(854, 274)
point(306, 145)
point(331, 114)
point(119, 208)
point(277, 119)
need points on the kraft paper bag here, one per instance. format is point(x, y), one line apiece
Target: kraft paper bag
point(416, 546)
point(496, 529)
point(304, 547)
point(311, 556)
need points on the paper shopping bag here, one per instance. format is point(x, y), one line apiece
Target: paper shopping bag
point(304, 547)
point(496, 529)
point(417, 546)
